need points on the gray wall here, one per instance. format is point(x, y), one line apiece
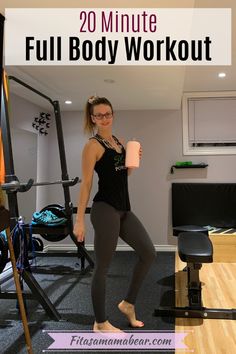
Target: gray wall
point(160, 133)
point(25, 141)
point(24, 146)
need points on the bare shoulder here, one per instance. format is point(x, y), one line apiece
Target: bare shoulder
point(93, 147)
point(91, 143)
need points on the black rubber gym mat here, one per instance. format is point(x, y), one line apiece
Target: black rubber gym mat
point(70, 293)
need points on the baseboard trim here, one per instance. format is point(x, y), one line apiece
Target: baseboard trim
point(90, 247)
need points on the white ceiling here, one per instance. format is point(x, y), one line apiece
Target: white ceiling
point(134, 87)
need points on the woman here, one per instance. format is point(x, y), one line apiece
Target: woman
point(110, 214)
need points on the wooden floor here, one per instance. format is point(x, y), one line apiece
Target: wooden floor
point(209, 336)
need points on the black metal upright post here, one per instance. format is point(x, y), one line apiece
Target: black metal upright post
point(62, 154)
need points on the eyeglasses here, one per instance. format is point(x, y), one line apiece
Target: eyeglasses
point(99, 116)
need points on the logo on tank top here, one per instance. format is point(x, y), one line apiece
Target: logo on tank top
point(119, 162)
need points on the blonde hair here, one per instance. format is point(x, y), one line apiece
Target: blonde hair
point(89, 125)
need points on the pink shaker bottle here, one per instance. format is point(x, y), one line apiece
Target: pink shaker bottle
point(132, 154)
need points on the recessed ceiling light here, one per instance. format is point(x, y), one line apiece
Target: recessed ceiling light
point(109, 81)
point(68, 102)
point(221, 75)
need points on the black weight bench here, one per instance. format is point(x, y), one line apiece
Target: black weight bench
point(195, 248)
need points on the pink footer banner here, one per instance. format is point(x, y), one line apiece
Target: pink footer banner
point(105, 341)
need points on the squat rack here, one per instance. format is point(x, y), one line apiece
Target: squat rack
point(11, 180)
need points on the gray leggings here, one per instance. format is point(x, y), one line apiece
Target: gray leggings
point(109, 224)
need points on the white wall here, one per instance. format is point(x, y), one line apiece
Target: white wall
point(24, 147)
point(160, 133)
point(30, 154)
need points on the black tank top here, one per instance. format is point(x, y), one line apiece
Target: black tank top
point(113, 176)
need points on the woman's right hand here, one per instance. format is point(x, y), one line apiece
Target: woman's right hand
point(79, 231)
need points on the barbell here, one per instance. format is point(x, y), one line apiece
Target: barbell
point(16, 186)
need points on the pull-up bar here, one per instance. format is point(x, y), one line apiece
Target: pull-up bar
point(22, 83)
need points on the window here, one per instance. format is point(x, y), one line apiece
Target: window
point(209, 123)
